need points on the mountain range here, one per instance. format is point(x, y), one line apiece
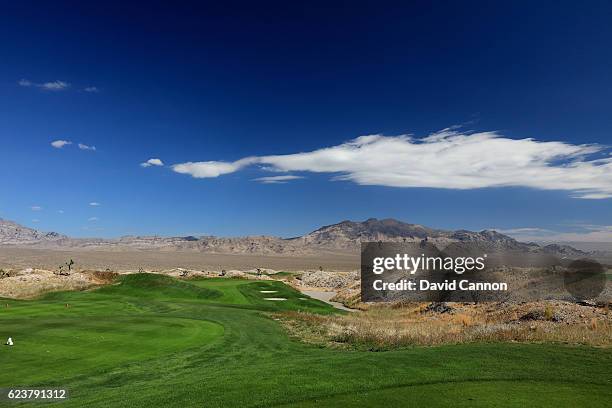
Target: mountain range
point(345, 236)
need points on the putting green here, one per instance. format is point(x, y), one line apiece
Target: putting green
point(228, 287)
point(155, 341)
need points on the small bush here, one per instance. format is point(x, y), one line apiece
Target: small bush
point(549, 312)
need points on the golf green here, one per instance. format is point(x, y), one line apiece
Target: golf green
point(151, 341)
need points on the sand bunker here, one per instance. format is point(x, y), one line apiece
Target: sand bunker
point(268, 291)
point(275, 299)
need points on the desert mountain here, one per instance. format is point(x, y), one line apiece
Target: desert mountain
point(12, 233)
point(347, 234)
point(342, 237)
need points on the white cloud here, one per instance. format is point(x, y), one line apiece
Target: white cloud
point(277, 179)
point(595, 196)
point(36, 208)
point(448, 159)
point(58, 144)
point(213, 168)
point(94, 204)
point(86, 147)
point(54, 85)
point(93, 219)
point(152, 162)
point(47, 86)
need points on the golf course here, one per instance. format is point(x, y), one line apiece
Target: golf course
point(152, 340)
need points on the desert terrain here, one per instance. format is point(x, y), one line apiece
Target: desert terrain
point(11, 257)
point(260, 321)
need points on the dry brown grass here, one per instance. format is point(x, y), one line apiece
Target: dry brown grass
point(22, 288)
point(102, 277)
point(549, 312)
point(388, 327)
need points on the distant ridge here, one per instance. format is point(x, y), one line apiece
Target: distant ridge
point(12, 233)
point(344, 236)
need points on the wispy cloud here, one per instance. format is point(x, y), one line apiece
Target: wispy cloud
point(47, 86)
point(60, 211)
point(277, 179)
point(447, 159)
point(55, 85)
point(35, 220)
point(36, 208)
point(94, 204)
point(93, 219)
point(86, 147)
point(152, 162)
point(211, 169)
point(58, 144)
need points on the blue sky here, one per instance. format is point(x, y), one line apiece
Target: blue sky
point(194, 84)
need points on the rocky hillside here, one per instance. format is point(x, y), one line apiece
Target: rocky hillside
point(12, 233)
point(349, 234)
point(342, 237)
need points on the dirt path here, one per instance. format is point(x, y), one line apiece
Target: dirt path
point(325, 296)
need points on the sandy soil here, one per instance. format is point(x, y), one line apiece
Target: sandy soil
point(326, 296)
point(129, 260)
point(30, 282)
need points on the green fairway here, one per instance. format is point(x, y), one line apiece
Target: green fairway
point(151, 341)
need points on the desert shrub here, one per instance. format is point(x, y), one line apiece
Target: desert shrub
point(549, 312)
point(464, 319)
point(105, 276)
point(384, 327)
